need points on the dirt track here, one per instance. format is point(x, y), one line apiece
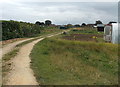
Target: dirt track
point(21, 73)
point(7, 48)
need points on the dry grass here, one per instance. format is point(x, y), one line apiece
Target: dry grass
point(60, 62)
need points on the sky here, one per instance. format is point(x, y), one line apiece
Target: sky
point(60, 12)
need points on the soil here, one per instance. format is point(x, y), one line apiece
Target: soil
point(82, 37)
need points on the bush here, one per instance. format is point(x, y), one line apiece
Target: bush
point(14, 29)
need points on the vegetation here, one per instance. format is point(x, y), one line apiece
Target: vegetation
point(64, 62)
point(83, 24)
point(84, 34)
point(85, 30)
point(98, 22)
point(59, 61)
point(40, 23)
point(14, 29)
point(6, 64)
point(48, 22)
point(10, 55)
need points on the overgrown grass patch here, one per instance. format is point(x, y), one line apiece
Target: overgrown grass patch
point(10, 55)
point(84, 35)
point(64, 62)
point(85, 30)
point(5, 61)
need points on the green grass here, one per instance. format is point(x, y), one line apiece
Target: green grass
point(63, 62)
point(5, 59)
point(49, 31)
point(5, 64)
point(11, 54)
point(85, 30)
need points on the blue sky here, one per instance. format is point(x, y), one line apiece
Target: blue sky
point(60, 12)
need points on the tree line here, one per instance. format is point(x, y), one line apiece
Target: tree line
point(14, 29)
point(47, 23)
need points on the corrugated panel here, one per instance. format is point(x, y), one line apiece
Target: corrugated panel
point(115, 34)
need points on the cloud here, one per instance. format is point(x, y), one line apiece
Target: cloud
point(59, 0)
point(60, 12)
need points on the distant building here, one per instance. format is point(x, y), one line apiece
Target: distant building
point(77, 25)
point(90, 25)
point(63, 27)
point(100, 27)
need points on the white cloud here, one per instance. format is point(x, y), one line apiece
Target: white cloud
point(59, 0)
point(59, 12)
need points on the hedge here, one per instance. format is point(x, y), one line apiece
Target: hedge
point(15, 29)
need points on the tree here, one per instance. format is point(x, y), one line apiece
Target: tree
point(83, 24)
point(98, 22)
point(38, 23)
point(48, 22)
point(42, 23)
point(69, 25)
point(13, 29)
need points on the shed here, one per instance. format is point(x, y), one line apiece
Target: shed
point(108, 33)
point(112, 33)
point(115, 33)
point(100, 27)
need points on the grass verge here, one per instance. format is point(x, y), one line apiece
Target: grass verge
point(63, 62)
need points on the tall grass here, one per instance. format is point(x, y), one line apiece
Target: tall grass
point(61, 62)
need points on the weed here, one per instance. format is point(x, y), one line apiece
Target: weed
point(63, 62)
